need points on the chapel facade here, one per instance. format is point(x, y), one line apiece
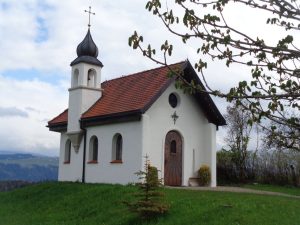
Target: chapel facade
point(110, 127)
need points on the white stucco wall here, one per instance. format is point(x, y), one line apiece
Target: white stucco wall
point(105, 171)
point(83, 69)
point(73, 170)
point(197, 134)
point(82, 95)
point(211, 156)
point(80, 100)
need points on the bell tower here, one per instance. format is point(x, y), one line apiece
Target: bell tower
point(85, 86)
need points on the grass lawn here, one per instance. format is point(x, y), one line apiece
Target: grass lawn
point(281, 189)
point(88, 204)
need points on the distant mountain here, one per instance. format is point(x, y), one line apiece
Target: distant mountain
point(27, 167)
point(8, 152)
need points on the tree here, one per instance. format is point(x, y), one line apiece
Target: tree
point(238, 137)
point(149, 202)
point(271, 140)
point(274, 85)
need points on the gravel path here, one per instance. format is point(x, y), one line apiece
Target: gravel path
point(237, 190)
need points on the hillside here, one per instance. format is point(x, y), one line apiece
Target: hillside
point(27, 167)
point(94, 204)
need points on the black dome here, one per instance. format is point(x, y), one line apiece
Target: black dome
point(87, 47)
point(87, 51)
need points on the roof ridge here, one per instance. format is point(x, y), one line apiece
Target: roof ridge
point(144, 71)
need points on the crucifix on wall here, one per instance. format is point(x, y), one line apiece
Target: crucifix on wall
point(174, 117)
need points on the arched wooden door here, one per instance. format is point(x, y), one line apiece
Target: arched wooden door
point(173, 159)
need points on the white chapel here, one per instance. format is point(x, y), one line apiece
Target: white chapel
point(109, 127)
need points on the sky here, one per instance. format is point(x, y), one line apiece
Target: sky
point(39, 40)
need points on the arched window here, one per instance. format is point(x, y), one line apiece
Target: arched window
point(173, 147)
point(91, 82)
point(75, 78)
point(117, 149)
point(67, 158)
point(93, 150)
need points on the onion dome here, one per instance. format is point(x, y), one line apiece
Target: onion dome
point(87, 51)
point(87, 47)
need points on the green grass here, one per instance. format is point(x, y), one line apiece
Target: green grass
point(94, 204)
point(274, 188)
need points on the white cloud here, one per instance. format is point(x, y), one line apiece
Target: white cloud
point(12, 112)
point(66, 23)
point(41, 102)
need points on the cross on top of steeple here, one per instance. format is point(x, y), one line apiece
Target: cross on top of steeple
point(89, 12)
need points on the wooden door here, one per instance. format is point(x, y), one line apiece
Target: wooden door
point(173, 159)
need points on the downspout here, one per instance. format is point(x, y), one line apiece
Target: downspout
point(84, 153)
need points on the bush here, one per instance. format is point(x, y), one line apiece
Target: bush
point(229, 173)
point(275, 167)
point(204, 175)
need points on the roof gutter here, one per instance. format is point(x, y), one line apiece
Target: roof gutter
point(59, 127)
point(134, 115)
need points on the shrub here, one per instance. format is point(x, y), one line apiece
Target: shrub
point(276, 167)
point(204, 175)
point(149, 203)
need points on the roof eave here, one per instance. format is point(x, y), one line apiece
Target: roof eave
point(205, 99)
point(133, 115)
point(87, 59)
point(58, 127)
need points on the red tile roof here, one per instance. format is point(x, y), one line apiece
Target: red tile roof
point(60, 119)
point(127, 93)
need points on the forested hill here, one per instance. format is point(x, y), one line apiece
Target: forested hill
point(27, 167)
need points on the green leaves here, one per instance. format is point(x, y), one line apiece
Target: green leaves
point(166, 47)
point(283, 43)
point(153, 5)
point(134, 40)
point(200, 65)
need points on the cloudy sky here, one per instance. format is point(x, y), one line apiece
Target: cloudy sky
point(38, 42)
